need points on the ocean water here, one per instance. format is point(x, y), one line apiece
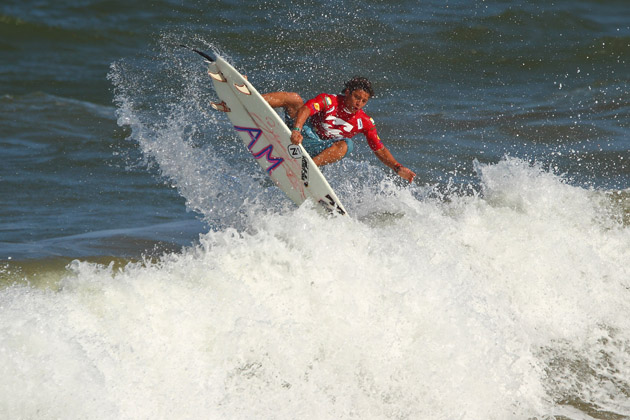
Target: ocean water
point(148, 269)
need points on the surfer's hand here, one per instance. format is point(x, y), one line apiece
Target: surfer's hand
point(296, 137)
point(406, 173)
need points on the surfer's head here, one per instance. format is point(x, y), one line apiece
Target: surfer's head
point(358, 83)
point(358, 91)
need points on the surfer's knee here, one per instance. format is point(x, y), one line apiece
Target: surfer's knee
point(273, 99)
point(283, 99)
point(342, 148)
point(293, 102)
point(333, 153)
point(349, 146)
point(294, 98)
point(290, 101)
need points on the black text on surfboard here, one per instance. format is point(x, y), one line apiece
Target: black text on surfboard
point(330, 205)
point(305, 171)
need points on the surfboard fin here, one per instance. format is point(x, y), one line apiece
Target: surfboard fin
point(220, 106)
point(216, 75)
point(243, 89)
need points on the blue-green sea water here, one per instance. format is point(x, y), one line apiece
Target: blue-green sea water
point(148, 269)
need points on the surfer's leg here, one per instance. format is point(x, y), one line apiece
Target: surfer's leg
point(290, 101)
point(323, 151)
point(334, 153)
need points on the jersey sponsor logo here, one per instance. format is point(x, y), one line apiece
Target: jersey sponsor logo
point(335, 127)
point(360, 124)
point(254, 135)
point(316, 106)
point(328, 101)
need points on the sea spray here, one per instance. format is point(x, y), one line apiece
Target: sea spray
point(488, 306)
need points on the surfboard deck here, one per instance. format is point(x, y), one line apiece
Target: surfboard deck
point(268, 139)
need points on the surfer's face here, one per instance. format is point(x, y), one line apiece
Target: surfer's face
point(356, 100)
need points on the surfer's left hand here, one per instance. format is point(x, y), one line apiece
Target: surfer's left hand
point(406, 173)
point(296, 137)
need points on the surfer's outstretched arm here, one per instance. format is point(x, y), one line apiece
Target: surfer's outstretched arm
point(386, 157)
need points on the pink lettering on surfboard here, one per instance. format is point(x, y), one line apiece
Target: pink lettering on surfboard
point(292, 166)
point(254, 134)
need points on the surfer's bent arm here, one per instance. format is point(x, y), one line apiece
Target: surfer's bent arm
point(294, 106)
point(385, 156)
point(302, 115)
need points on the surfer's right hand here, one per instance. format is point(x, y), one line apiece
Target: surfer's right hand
point(296, 137)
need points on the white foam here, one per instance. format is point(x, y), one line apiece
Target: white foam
point(501, 304)
point(490, 306)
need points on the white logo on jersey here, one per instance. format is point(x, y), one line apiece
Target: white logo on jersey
point(334, 125)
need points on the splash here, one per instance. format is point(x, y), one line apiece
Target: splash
point(167, 110)
point(509, 303)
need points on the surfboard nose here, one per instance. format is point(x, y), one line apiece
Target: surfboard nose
point(208, 56)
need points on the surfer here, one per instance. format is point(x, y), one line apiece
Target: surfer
point(325, 124)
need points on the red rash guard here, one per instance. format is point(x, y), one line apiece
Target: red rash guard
point(330, 120)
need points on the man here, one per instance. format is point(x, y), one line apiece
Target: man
point(325, 124)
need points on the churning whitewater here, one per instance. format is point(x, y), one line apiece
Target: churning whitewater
point(509, 303)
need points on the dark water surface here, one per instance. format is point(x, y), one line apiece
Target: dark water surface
point(456, 81)
point(494, 287)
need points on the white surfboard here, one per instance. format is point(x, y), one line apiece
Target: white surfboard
point(268, 139)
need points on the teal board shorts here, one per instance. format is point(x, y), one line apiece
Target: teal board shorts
point(314, 144)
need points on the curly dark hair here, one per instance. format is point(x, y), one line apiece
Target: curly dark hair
point(358, 82)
